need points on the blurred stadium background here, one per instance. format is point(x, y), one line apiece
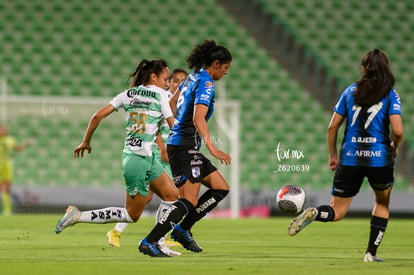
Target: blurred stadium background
point(62, 60)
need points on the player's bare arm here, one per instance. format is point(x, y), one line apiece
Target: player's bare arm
point(94, 122)
point(333, 128)
point(200, 112)
point(397, 132)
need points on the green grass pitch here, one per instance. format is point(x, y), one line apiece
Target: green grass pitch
point(28, 245)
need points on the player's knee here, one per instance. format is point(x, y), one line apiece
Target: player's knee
point(170, 197)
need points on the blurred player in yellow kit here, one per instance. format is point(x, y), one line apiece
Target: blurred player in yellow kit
point(7, 145)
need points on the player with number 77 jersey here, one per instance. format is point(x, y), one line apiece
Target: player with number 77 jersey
point(366, 141)
point(373, 133)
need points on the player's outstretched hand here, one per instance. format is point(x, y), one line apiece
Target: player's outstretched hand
point(78, 151)
point(224, 158)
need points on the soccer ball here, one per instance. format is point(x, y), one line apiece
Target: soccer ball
point(290, 199)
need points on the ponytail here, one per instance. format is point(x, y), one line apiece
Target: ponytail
point(142, 73)
point(377, 79)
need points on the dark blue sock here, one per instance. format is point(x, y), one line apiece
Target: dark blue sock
point(325, 213)
point(171, 217)
point(378, 226)
point(206, 203)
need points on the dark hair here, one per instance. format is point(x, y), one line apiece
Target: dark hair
point(176, 71)
point(205, 53)
point(376, 81)
point(145, 68)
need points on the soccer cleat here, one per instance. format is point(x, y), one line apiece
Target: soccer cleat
point(70, 218)
point(370, 258)
point(301, 221)
point(114, 237)
point(185, 238)
point(164, 248)
point(169, 242)
point(150, 249)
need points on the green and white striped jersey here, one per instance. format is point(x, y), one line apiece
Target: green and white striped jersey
point(145, 109)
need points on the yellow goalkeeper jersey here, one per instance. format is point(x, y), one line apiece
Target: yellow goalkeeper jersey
point(7, 145)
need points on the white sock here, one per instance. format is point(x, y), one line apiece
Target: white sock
point(121, 226)
point(105, 215)
point(161, 242)
point(164, 205)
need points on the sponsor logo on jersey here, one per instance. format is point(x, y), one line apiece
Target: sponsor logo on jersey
point(196, 162)
point(368, 153)
point(177, 179)
point(141, 92)
point(396, 107)
point(397, 96)
point(136, 102)
point(133, 141)
point(192, 151)
point(338, 190)
point(349, 154)
point(364, 139)
point(205, 97)
point(209, 85)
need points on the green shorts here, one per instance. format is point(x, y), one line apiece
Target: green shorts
point(165, 165)
point(138, 172)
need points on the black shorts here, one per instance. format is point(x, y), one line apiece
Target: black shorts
point(348, 179)
point(188, 164)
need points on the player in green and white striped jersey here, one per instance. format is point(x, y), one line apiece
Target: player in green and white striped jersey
point(146, 105)
point(160, 153)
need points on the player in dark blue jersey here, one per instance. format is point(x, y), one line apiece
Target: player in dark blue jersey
point(190, 168)
point(368, 149)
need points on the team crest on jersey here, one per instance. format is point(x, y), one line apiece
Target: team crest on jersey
point(195, 171)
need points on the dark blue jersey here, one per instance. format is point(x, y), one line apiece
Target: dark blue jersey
point(366, 139)
point(197, 88)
